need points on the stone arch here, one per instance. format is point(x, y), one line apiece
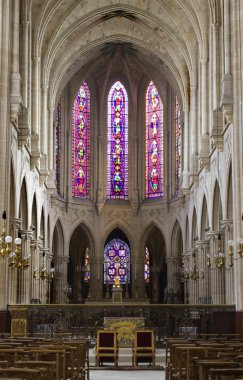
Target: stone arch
point(217, 208)
point(81, 240)
point(12, 211)
point(194, 231)
point(229, 195)
point(177, 249)
point(153, 239)
point(57, 251)
point(204, 219)
point(34, 218)
point(23, 206)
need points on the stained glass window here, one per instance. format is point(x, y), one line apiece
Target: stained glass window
point(86, 266)
point(154, 143)
point(117, 143)
point(81, 143)
point(58, 142)
point(147, 266)
point(178, 142)
point(117, 262)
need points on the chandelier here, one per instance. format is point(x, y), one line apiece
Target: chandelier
point(44, 273)
point(16, 258)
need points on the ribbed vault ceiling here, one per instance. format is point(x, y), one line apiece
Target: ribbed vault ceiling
point(72, 34)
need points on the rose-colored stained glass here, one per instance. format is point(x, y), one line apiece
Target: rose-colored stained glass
point(117, 262)
point(81, 143)
point(117, 143)
point(177, 143)
point(154, 143)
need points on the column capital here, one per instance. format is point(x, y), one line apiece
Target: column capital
point(15, 223)
point(26, 234)
point(227, 224)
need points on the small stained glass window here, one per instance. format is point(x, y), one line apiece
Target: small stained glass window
point(86, 266)
point(117, 262)
point(147, 266)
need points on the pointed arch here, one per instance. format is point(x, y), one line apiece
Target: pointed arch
point(229, 199)
point(81, 143)
point(204, 219)
point(154, 143)
point(117, 142)
point(217, 207)
point(34, 217)
point(194, 228)
point(12, 193)
point(23, 206)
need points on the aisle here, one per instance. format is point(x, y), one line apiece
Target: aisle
point(126, 375)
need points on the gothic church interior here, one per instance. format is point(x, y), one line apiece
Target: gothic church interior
point(121, 151)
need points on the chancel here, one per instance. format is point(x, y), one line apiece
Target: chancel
point(121, 168)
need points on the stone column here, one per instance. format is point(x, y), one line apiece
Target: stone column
point(186, 182)
point(25, 274)
point(100, 192)
point(15, 93)
point(227, 226)
point(134, 200)
point(35, 268)
point(204, 286)
point(15, 225)
point(204, 138)
point(194, 131)
point(216, 64)
point(4, 130)
point(51, 140)
point(25, 61)
point(217, 275)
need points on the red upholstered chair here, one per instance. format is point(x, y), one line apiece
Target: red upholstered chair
point(106, 347)
point(144, 347)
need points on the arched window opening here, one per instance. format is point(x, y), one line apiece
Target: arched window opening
point(81, 143)
point(117, 262)
point(117, 143)
point(154, 143)
point(177, 143)
point(147, 266)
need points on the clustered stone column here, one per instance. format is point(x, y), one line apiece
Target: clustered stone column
point(15, 225)
point(227, 226)
point(203, 250)
point(217, 275)
point(25, 274)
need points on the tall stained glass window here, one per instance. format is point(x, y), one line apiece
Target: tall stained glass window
point(154, 143)
point(86, 266)
point(147, 266)
point(177, 143)
point(117, 262)
point(58, 142)
point(117, 143)
point(81, 143)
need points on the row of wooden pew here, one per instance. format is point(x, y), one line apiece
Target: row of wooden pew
point(204, 359)
point(44, 359)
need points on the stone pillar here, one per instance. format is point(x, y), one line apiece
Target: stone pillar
point(204, 286)
point(25, 61)
point(217, 276)
point(227, 226)
point(204, 138)
point(15, 225)
point(4, 131)
point(135, 196)
point(100, 192)
point(44, 89)
point(216, 64)
point(35, 268)
point(194, 131)
point(25, 274)
point(185, 175)
point(15, 93)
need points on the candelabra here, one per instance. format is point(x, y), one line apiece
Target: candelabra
point(219, 258)
point(16, 258)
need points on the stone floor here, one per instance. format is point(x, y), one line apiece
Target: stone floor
point(123, 371)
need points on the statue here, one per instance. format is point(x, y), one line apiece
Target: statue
point(116, 282)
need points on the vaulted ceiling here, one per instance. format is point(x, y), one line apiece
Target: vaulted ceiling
point(69, 35)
